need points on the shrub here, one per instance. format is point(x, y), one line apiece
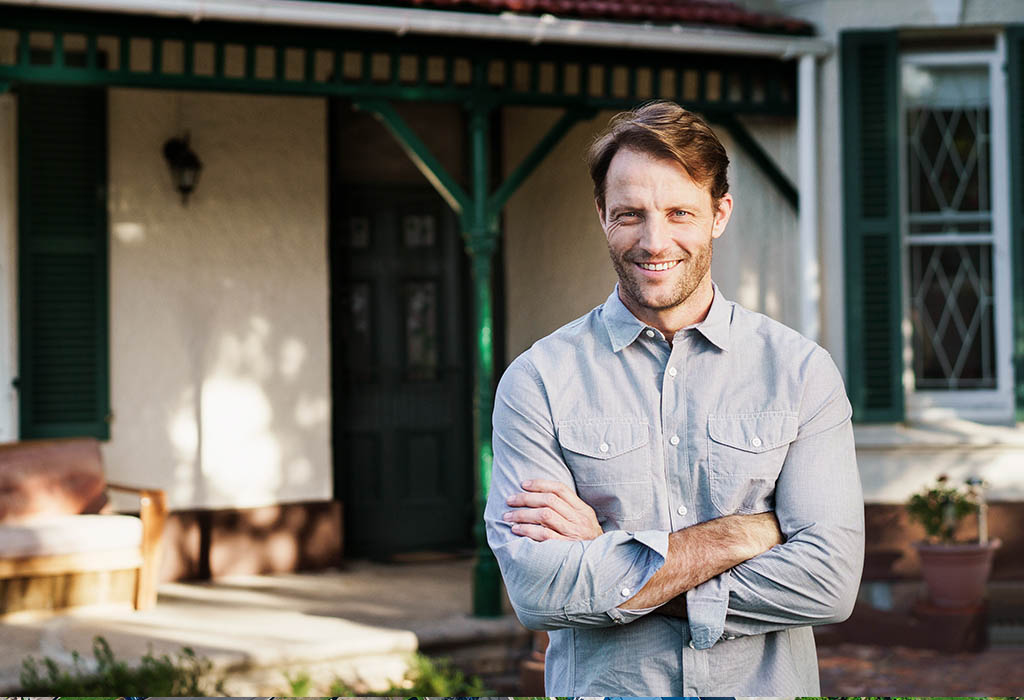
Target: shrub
point(154, 676)
point(941, 507)
point(426, 678)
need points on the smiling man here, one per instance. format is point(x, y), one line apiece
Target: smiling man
point(674, 493)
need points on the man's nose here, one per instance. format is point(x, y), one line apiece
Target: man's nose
point(656, 237)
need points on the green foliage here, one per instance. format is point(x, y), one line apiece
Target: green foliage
point(154, 676)
point(427, 678)
point(941, 507)
point(299, 685)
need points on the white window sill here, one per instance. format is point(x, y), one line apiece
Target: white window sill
point(948, 432)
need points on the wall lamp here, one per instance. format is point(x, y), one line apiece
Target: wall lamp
point(184, 164)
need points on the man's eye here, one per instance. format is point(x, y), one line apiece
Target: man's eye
point(680, 212)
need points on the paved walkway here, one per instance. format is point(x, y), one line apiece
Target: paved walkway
point(362, 622)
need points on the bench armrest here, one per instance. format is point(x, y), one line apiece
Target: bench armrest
point(153, 513)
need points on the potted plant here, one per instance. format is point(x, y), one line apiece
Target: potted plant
point(955, 573)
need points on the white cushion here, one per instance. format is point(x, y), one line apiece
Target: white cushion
point(69, 534)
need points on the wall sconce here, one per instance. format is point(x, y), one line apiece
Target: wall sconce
point(184, 164)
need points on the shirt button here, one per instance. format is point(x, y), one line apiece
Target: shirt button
point(650, 333)
point(681, 510)
point(603, 447)
point(756, 442)
point(625, 592)
point(672, 371)
point(692, 645)
point(674, 439)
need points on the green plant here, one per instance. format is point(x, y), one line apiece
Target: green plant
point(153, 676)
point(426, 678)
point(299, 685)
point(941, 507)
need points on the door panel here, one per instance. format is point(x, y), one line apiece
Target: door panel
point(401, 393)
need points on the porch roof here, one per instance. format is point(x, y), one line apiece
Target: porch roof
point(716, 13)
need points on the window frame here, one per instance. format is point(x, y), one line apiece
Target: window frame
point(983, 405)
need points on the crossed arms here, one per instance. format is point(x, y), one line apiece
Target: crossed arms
point(741, 575)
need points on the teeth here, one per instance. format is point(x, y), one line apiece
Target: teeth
point(659, 266)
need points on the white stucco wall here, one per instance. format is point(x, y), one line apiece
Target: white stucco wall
point(8, 268)
point(556, 257)
point(219, 347)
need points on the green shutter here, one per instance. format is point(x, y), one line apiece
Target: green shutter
point(1015, 89)
point(870, 85)
point(62, 262)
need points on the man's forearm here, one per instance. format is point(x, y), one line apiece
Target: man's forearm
point(703, 551)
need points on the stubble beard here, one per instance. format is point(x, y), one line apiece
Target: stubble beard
point(695, 267)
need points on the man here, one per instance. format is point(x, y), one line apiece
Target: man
point(675, 493)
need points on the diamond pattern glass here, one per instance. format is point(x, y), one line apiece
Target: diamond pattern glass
point(952, 315)
point(949, 226)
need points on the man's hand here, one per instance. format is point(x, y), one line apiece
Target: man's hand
point(550, 510)
point(702, 551)
point(762, 533)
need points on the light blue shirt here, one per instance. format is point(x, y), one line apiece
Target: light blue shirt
point(740, 414)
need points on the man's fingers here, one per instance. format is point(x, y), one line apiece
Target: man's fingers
point(541, 516)
point(538, 533)
point(559, 489)
point(541, 500)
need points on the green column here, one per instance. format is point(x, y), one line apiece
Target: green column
point(480, 230)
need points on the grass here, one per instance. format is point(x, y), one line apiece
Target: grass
point(187, 674)
point(183, 674)
point(426, 677)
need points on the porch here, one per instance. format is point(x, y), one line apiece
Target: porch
point(363, 621)
point(360, 623)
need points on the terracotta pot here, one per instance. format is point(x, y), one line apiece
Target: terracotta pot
point(956, 573)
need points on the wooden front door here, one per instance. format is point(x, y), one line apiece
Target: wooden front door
point(401, 393)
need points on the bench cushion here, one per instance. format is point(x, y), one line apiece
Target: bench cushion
point(69, 534)
point(50, 477)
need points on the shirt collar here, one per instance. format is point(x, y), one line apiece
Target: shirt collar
point(717, 324)
point(623, 327)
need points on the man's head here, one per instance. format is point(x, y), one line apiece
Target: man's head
point(661, 192)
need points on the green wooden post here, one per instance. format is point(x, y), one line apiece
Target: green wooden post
point(478, 216)
point(480, 229)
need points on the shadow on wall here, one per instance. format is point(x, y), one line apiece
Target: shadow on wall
point(219, 338)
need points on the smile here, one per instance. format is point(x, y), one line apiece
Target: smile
point(656, 267)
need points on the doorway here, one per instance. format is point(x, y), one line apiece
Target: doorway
point(400, 371)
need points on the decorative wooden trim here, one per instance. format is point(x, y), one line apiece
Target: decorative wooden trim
point(369, 65)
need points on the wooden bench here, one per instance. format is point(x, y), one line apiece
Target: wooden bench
point(61, 544)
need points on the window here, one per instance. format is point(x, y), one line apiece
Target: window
point(933, 239)
point(954, 226)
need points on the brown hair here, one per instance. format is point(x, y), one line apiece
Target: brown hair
point(665, 130)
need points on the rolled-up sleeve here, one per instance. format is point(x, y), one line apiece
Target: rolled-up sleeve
point(813, 577)
point(556, 583)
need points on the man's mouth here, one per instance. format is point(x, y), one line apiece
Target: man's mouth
point(658, 266)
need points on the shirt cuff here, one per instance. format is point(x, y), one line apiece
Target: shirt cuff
point(644, 561)
point(706, 608)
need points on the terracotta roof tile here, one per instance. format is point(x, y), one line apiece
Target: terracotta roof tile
point(719, 13)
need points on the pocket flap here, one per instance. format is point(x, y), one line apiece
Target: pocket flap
point(753, 432)
point(603, 439)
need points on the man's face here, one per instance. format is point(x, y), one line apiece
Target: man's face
point(659, 224)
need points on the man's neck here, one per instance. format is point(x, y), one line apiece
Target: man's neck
point(693, 309)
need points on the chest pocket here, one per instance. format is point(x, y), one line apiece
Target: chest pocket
point(610, 462)
point(746, 452)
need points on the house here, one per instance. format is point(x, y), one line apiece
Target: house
point(392, 204)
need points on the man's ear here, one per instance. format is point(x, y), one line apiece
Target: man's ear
point(722, 215)
point(600, 213)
